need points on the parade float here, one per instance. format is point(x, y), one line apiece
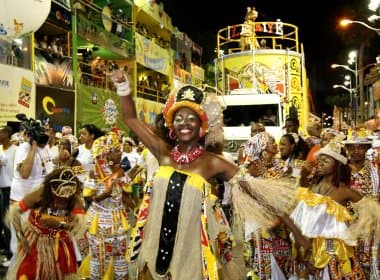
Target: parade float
point(260, 67)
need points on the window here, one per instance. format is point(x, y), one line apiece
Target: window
point(244, 115)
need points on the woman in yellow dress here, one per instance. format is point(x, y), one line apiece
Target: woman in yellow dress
point(107, 218)
point(179, 233)
point(334, 229)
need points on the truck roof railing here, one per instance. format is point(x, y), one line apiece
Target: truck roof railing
point(275, 35)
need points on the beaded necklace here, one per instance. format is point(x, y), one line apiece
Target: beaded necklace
point(187, 157)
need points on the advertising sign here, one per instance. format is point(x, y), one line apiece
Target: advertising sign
point(17, 92)
point(267, 72)
point(56, 104)
point(152, 56)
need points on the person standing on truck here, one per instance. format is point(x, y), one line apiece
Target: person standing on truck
point(269, 118)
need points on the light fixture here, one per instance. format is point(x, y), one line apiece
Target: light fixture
point(373, 18)
point(373, 5)
point(345, 22)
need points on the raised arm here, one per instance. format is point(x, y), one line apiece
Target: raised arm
point(25, 168)
point(154, 143)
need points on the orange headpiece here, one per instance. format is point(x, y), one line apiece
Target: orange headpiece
point(186, 96)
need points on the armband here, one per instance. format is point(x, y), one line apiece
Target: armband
point(76, 211)
point(123, 89)
point(23, 206)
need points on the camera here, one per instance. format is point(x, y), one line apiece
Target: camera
point(33, 129)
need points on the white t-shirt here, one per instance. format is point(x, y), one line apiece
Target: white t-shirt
point(53, 151)
point(42, 165)
point(134, 158)
point(85, 157)
point(6, 165)
point(227, 187)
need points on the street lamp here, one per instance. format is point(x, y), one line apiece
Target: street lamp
point(343, 66)
point(345, 22)
point(351, 91)
point(373, 5)
point(373, 18)
point(352, 59)
point(356, 88)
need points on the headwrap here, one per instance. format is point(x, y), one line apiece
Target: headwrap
point(186, 96)
point(205, 104)
point(255, 146)
point(105, 144)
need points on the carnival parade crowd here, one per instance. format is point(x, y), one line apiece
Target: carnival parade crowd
point(168, 203)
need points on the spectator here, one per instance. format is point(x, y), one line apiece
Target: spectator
point(129, 151)
point(52, 145)
point(292, 125)
point(269, 118)
point(314, 129)
point(32, 162)
point(293, 149)
point(67, 132)
point(7, 152)
point(88, 134)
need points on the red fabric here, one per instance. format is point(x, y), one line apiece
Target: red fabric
point(66, 259)
point(311, 155)
point(23, 206)
point(78, 211)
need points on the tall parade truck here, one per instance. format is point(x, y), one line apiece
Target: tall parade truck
point(260, 70)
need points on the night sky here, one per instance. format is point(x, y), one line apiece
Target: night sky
point(323, 39)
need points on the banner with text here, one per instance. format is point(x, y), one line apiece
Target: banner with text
point(56, 104)
point(151, 55)
point(17, 92)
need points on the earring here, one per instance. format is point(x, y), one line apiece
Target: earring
point(172, 135)
point(110, 162)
